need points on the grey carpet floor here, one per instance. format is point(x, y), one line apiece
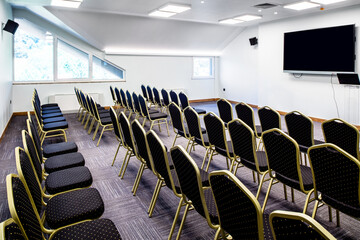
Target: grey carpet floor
point(129, 213)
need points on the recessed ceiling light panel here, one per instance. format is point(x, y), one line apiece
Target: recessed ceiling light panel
point(301, 5)
point(248, 17)
point(66, 3)
point(162, 14)
point(230, 21)
point(175, 8)
point(326, 2)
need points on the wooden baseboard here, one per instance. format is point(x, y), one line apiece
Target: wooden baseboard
point(204, 100)
point(7, 125)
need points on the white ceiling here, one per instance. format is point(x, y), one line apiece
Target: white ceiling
point(124, 25)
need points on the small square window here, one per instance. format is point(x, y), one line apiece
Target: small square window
point(203, 67)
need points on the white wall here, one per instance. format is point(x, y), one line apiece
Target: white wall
point(6, 67)
point(160, 72)
point(239, 69)
point(310, 94)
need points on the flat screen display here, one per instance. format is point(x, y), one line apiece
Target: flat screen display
point(324, 50)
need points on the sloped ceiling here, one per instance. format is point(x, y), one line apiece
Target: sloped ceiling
point(130, 33)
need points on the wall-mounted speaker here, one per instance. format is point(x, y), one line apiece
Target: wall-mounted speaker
point(253, 41)
point(11, 26)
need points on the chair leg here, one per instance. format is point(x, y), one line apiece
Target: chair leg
point(315, 209)
point(307, 201)
point(87, 121)
point(153, 196)
point(175, 219)
point(261, 183)
point(151, 125)
point(96, 130)
point(211, 156)
point(174, 140)
point(205, 157)
point(267, 194)
point(253, 173)
point(155, 199)
point(102, 132)
point(127, 162)
point(138, 178)
point(330, 214)
point(91, 126)
point(82, 122)
point(123, 164)
point(285, 192)
point(143, 124)
point(159, 125)
point(188, 144)
point(167, 128)
point(117, 150)
point(337, 218)
point(183, 221)
point(292, 195)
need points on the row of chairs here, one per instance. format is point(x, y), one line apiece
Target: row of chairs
point(91, 113)
point(178, 171)
point(281, 162)
point(51, 122)
point(65, 208)
point(136, 103)
point(299, 126)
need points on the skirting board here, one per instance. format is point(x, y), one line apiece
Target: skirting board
point(191, 101)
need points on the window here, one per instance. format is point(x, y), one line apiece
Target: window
point(41, 56)
point(72, 62)
point(33, 53)
point(103, 70)
point(203, 67)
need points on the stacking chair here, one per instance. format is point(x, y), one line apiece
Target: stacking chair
point(143, 89)
point(166, 99)
point(49, 107)
point(117, 131)
point(269, 118)
point(152, 117)
point(150, 96)
point(301, 128)
point(137, 107)
point(157, 99)
point(46, 114)
point(239, 211)
point(185, 103)
point(178, 123)
point(142, 152)
point(60, 160)
point(105, 122)
point(225, 110)
point(81, 106)
point(128, 142)
point(246, 114)
point(113, 96)
point(62, 209)
point(49, 150)
point(162, 169)
point(119, 99)
point(342, 134)
point(293, 225)
point(193, 192)
point(57, 181)
point(174, 98)
point(215, 129)
point(283, 157)
point(197, 135)
point(25, 216)
point(244, 146)
point(124, 101)
point(130, 103)
point(336, 176)
point(50, 129)
point(10, 230)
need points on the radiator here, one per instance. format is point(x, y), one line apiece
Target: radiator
point(69, 102)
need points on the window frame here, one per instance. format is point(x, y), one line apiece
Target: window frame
point(212, 76)
point(56, 79)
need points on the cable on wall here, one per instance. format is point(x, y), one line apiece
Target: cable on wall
point(334, 96)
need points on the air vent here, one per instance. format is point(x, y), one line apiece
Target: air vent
point(265, 5)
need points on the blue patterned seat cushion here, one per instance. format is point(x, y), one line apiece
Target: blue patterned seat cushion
point(68, 179)
point(59, 148)
point(64, 161)
point(74, 206)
